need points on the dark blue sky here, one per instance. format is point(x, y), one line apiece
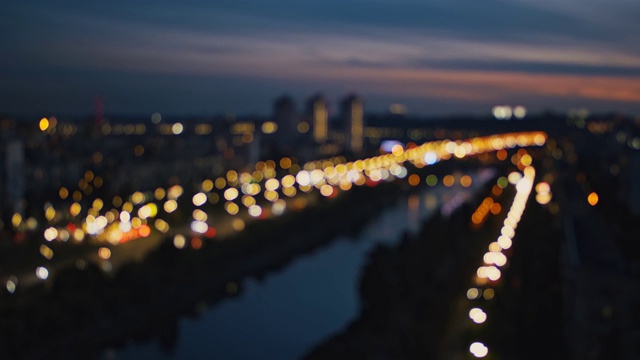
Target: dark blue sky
point(437, 57)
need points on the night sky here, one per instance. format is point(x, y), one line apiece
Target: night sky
point(437, 57)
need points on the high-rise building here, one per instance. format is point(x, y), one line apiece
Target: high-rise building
point(15, 178)
point(317, 110)
point(284, 113)
point(352, 113)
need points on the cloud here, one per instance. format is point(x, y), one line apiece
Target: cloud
point(465, 51)
point(429, 66)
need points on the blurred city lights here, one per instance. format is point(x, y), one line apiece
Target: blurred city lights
point(477, 315)
point(42, 273)
point(478, 349)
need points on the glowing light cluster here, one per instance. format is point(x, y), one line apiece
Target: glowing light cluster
point(487, 206)
point(133, 216)
point(505, 112)
point(495, 258)
point(543, 193)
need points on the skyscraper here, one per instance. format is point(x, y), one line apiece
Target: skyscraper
point(352, 113)
point(284, 113)
point(317, 110)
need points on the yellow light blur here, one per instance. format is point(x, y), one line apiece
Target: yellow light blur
point(207, 185)
point(543, 187)
point(303, 127)
point(258, 176)
point(526, 160)
point(237, 224)
point(232, 176)
point(271, 195)
point(170, 206)
point(175, 192)
point(593, 199)
point(97, 204)
point(127, 207)
point(269, 127)
point(104, 253)
point(199, 199)
point(75, 209)
point(50, 213)
point(46, 252)
point(137, 197)
point(495, 246)
point(177, 128)
point(326, 190)
point(231, 208)
point(43, 124)
point(199, 215)
point(529, 172)
point(161, 225)
point(288, 181)
point(245, 178)
point(16, 220)
point(179, 241)
point(488, 294)
point(147, 211)
point(136, 222)
point(248, 200)
point(543, 198)
point(345, 185)
point(220, 183)
point(78, 234)
point(285, 163)
point(472, 293)
point(159, 194)
point(397, 150)
point(230, 194)
point(289, 191)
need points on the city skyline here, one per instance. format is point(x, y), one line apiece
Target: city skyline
point(437, 59)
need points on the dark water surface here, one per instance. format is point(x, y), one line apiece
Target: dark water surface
point(288, 313)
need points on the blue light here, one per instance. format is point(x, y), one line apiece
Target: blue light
point(430, 158)
point(387, 145)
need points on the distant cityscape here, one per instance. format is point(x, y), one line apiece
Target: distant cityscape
point(109, 191)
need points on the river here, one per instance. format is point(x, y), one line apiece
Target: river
point(287, 313)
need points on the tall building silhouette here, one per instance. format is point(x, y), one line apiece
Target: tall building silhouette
point(352, 114)
point(284, 114)
point(319, 114)
point(15, 176)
